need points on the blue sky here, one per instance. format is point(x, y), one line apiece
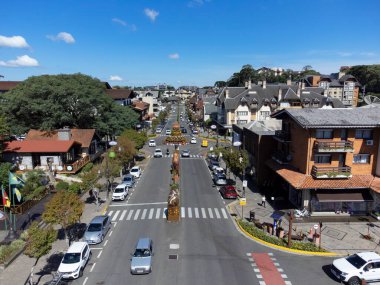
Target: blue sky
point(190, 42)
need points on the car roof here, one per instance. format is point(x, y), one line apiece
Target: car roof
point(121, 185)
point(98, 219)
point(151, 140)
point(157, 149)
point(230, 187)
point(129, 175)
point(369, 255)
point(135, 167)
point(143, 243)
point(77, 247)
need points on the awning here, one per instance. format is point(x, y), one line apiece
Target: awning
point(344, 196)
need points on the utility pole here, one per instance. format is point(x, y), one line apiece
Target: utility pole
point(291, 216)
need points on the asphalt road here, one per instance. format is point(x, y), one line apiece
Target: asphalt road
point(203, 248)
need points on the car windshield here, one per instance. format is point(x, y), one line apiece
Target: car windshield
point(356, 260)
point(142, 253)
point(221, 176)
point(94, 227)
point(71, 258)
point(128, 178)
point(152, 141)
point(119, 190)
point(134, 170)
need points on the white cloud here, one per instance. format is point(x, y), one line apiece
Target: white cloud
point(15, 42)
point(132, 27)
point(173, 56)
point(151, 14)
point(21, 61)
point(196, 3)
point(62, 36)
point(115, 78)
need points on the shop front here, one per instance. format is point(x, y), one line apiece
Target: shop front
point(341, 201)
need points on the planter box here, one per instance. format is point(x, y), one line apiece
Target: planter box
point(11, 259)
point(173, 214)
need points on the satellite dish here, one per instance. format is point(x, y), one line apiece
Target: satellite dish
point(369, 99)
point(21, 167)
point(60, 168)
point(236, 144)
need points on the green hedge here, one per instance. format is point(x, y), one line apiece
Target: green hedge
point(6, 251)
point(260, 234)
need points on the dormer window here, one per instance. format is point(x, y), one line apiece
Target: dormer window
point(265, 102)
point(316, 102)
point(253, 104)
point(306, 102)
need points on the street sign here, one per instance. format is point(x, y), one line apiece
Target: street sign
point(245, 183)
point(243, 201)
point(315, 226)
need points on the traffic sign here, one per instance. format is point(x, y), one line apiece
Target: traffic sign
point(245, 183)
point(243, 201)
point(315, 226)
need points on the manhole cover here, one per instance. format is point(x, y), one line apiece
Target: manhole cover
point(173, 256)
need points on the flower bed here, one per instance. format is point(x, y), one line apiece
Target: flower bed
point(175, 140)
point(8, 252)
point(260, 234)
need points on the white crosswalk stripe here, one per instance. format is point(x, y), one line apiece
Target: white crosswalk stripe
point(160, 213)
point(115, 216)
point(151, 214)
point(123, 215)
point(130, 214)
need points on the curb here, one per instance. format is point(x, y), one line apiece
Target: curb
point(282, 248)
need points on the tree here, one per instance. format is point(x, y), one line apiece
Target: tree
point(368, 76)
point(236, 160)
point(220, 84)
point(5, 167)
point(39, 242)
point(50, 102)
point(126, 149)
point(64, 209)
point(138, 138)
point(33, 182)
point(155, 123)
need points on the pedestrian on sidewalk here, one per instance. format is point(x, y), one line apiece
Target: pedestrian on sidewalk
point(263, 201)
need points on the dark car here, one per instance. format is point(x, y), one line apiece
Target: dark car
point(213, 164)
point(228, 192)
point(184, 131)
point(219, 179)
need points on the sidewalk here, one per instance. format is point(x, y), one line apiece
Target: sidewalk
point(18, 271)
point(340, 237)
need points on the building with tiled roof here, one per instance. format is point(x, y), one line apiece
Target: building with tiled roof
point(64, 150)
point(327, 159)
point(6, 86)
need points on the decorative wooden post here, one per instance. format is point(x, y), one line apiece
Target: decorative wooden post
point(291, 215)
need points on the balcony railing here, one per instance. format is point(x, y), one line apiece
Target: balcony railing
point(282, 136)
point(334, 146)
point(75, 166)
point(281, 157)
point(338, 172)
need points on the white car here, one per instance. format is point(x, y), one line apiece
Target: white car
point(158, 153)
point(168, 132)
point(120, 192)
point(152, 143)
point(158, 131)
point(185, 153)
point(193, 140)
point(352, 269)
point(135, 171)
point(74, 260)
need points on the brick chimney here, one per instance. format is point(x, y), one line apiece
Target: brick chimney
point(64, 134)
point(227, 92)
point(264, 84)
point(249, 84)
point(279, 95)
point(299, 89)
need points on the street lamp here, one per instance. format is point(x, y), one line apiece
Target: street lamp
point(12, 234)
point(111, 154)
point(241, 161)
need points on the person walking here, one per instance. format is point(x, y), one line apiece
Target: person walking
point(263, 201)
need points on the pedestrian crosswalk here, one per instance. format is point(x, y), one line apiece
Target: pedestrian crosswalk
point(170, 155)
point(160, 213)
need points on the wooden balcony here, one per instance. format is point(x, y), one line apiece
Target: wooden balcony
point(282, 136)
point(75, 166)
point(339, 172)
point(334, 146)
point(281, 157)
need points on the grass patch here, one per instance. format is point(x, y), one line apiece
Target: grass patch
point(7, 251)
point(260, 234)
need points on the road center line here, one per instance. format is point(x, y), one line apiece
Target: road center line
point(85, 280)
point(92, 267)
point(100, 253)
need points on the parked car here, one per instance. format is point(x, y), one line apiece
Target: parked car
point(97, 229)
point(152, 143)
point(204, 143)
point(219, 179)
point(120, 192)
point(212, 164)
point(141, 262)
point(184, 131)
point(129, 180)
point(135, 171)
point(168, 132)
point(185, 153)
point(139, 156)
point(158, 153)
point(228, 192)
point(158, 131)
point(354, 268)
point(193, 140)
point(218, 170)
point(75, 260)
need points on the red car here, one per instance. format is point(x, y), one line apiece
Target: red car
point(228, 192)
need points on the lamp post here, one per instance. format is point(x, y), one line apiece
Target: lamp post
point(12, 234)
point(111, 143)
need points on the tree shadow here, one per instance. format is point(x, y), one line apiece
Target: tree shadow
point(76, 231)
point(51, 267)
point(327, 270)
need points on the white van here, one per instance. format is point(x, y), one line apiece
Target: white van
point(75, 260)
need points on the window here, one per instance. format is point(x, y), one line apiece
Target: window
point(324, 134)
point(363, 134)
point(265, 114)
point(242, 113)
point(242, 122)
point(322, 158)
point(361, 158)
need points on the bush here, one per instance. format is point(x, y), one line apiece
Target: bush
point(6, 251)
point(87, 167)
point(62, 185)
point(260, 234)
point(75, 188)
